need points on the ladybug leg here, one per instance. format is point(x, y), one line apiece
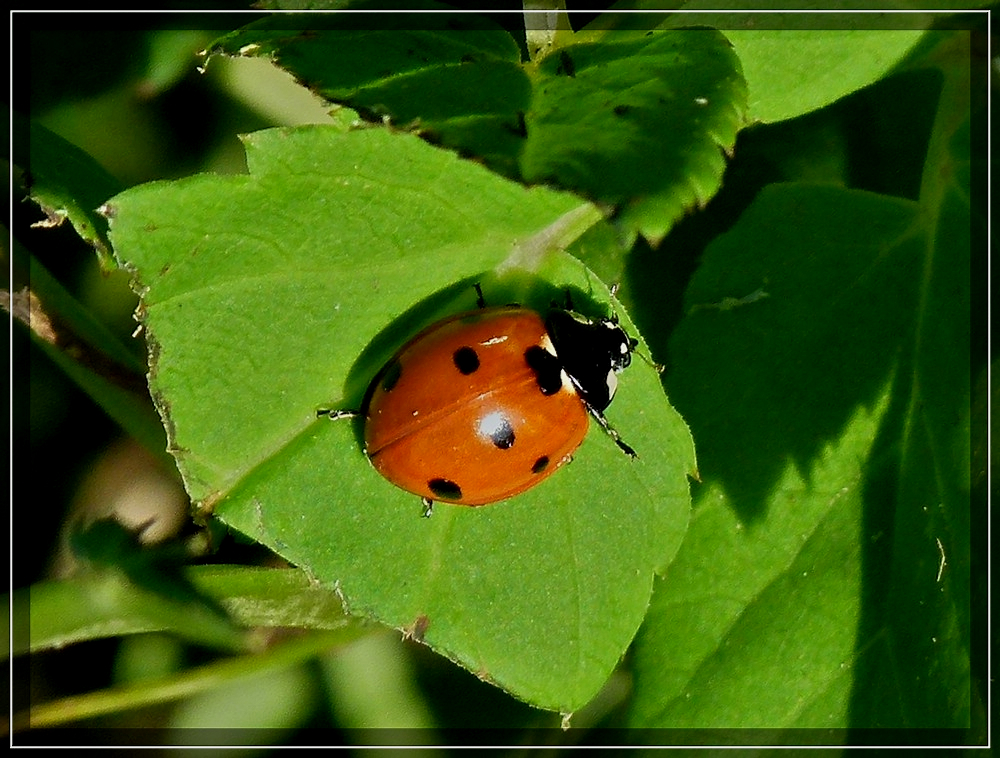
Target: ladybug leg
point(335, 415)
point(612, 433)
point(480, 300)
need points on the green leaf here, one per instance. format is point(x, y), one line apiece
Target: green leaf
point(68, 184)
point(106, 604)
point(794, 71)
point(98, 604)
point(793, 62)
point(269, 296)
point(825, 376)
point(637, 121)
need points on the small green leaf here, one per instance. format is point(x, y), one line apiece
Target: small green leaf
point(269, 296)
point(68, 184)
point(96, 604)
point(637, 121)
point(106, 603)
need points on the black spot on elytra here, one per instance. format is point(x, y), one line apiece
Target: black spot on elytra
point(391, 375)
point(548, 371)
point(445, 489)
point(503, 435)
point(540, 465)
point(466, 360)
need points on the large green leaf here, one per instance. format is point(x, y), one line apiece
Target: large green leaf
point(268, 296)
point(794, 62)
point(794, 71)
point(826, 569)
point(635, 120)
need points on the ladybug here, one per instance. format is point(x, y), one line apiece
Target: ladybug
point(486, 404)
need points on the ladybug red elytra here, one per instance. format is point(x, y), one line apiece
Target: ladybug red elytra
point(486, 404)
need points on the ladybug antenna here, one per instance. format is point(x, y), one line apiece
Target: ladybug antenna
point(648, 360)
point(657, 367)
point(632, 341)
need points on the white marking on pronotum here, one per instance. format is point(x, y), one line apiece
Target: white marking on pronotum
point(546, 344)
point(612, 383)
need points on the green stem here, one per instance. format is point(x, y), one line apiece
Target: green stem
point(530, 253)
point(186, 684)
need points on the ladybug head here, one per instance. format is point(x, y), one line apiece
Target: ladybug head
point(591, 352)
point(619, 343)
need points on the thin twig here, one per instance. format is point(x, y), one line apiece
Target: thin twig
point(26, 307)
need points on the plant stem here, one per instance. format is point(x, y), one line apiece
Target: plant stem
point(542, 19)
point(185, 684)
